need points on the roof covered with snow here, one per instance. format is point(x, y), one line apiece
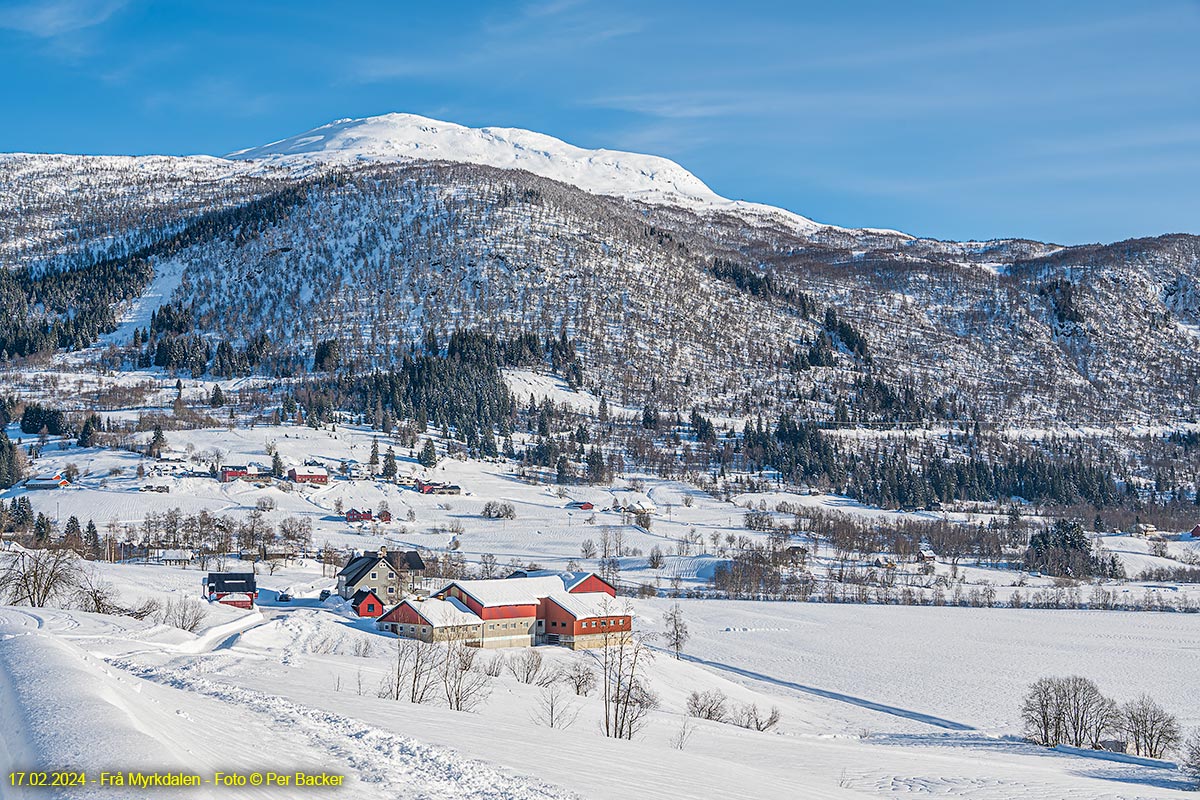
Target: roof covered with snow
point(443, 613)
point(522, 588)
point(588, 605)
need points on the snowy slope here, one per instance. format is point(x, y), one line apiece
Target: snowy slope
point(396, 137)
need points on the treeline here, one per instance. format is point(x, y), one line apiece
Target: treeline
point(889, 477)
point(463, 390)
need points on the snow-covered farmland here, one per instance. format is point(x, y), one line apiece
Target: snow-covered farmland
point(875, 701)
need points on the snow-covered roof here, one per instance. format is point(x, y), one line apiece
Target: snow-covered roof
point(569, 579)
point(509, 591)
point(524, 588)
point(175, 555)
point(443, 613)
point(307, 470)
point(587, 605)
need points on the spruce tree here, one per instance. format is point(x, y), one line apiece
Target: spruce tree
point(389, 464)
point(158, 443)
point(91, 540)
point(428, 457)
point(41, 529)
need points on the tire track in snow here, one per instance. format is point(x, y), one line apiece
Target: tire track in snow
point(403, 767)
point(871, 705)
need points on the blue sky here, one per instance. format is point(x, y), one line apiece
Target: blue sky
point(1059, 121)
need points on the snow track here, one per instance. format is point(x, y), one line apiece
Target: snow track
point(397, 765)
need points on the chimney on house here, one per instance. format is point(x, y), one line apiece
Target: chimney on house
point(383, 552)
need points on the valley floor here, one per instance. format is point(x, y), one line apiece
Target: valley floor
point(876, 701)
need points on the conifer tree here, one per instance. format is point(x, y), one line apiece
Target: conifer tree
point(158, 443)
point(428, 457)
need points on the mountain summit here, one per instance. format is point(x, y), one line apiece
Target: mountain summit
point(398, 137)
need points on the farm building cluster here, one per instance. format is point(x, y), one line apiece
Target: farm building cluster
point(578, 610)
point(574, 610)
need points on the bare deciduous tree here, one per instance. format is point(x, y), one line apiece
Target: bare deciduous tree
point(554, 709)
point(96, 595)
point(1190, 760)
point(526, 665)
point(414, 675)
point(464, 683)
point(1069, 710)
point(748, 716)
point(580, 676)
point(683, 734)
point(1150, 729)
point(627, 699)
point(709, 704)
point(182, 613)
point(37, 577)
point(677, 630)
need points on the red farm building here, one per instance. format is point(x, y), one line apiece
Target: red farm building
point(233, 472)
point(577, 610)
point(366, 603)
point(238, 589)
point(307, 474)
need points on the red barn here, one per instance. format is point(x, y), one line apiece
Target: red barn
point(307, 474)
point(354, 515)
point(584, 619)
point(238, 589)
point(512, 609)
point(433, 620)
point(233, 472)
point(366, 603)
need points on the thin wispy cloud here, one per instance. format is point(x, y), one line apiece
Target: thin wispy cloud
point(55, 18)
point(537, 32)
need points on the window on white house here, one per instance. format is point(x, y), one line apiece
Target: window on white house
point(373, 576)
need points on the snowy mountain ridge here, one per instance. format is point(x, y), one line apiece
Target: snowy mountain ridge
point(400, 137)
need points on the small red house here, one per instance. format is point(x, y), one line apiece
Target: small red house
point(308, 474)
point(581, 505)
point(366, 603)
point(238, 589)
point(385, 516)
point(354, 515)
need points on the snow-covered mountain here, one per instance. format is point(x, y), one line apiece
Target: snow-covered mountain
point(374, 232)
point(399, 137)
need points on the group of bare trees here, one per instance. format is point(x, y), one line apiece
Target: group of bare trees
point(714, 705)
point(450, 671)
point(40, 578)
point(1073, 711)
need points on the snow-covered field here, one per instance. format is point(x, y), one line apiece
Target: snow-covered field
point(875, 702)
